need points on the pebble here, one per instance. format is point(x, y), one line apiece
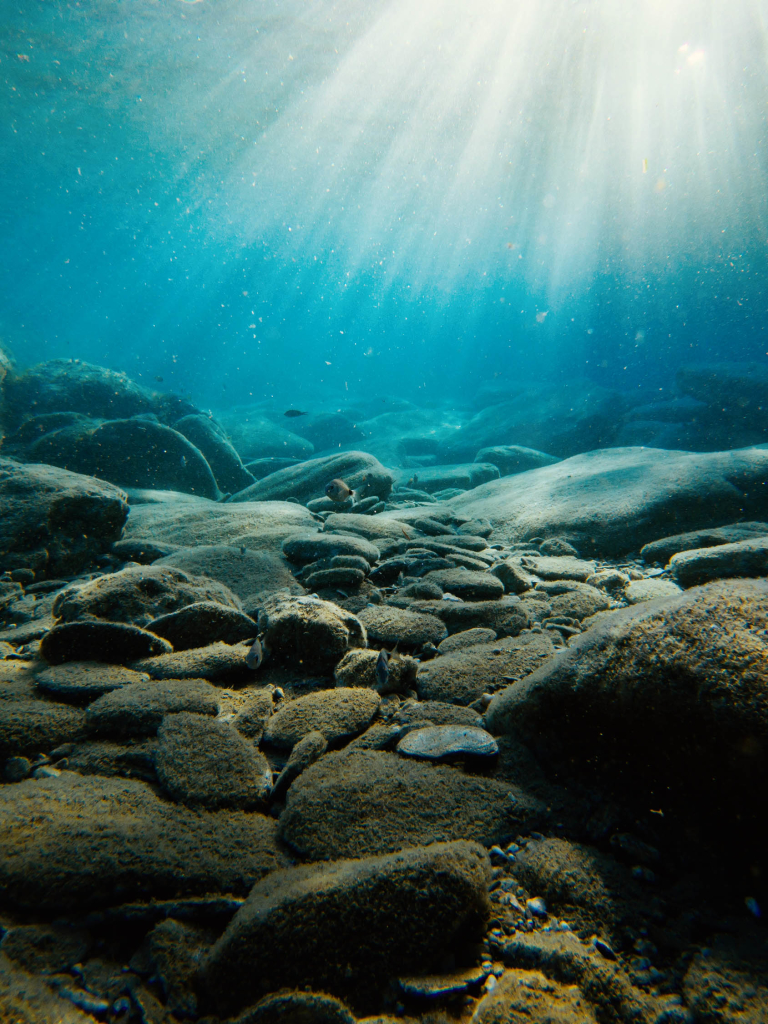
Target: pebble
point(443, 742)
point(536, 906)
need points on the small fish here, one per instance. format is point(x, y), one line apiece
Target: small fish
point(337, 490)
point(159, 380)
point(293, 413)
point(382, 669)
point(183, 461)
point(255, 656)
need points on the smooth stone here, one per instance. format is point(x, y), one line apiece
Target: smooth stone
point(662, 550)
point(256, 708)
point(203, 623)
point(446, 742)
point(250, 575)
point(338, 714)
point(506, 617)
point(46, 949)
point(309, 632)
point(396, 626)
point(613, 501)
point(78, 682)
point(137, 595)
point(359, 470)
point(297, 1006)
point(378, 529)
point(468, 638)
point(114, 642)
point(217, 662)
point(471, 586)
point(360, 802)
point(514, 578)
point(701, 565)
point(358, 668)
point(133, 758)
point(457, 475)
point(226, 465)
point(434, 712)
point(304, 753)
point(338, 577)
point(255, 437)
point(558, 567)
point(309, 547)
point(202, 762)
point(29, 726)
point(139, 708)
point(388, 914)
point(42, 512)
point(649, 590)
point(581, 603)
point(142, 551)
point(147, 847)
point(434, 987)
point(514, 458)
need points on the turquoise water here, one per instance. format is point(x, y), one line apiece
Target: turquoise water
point(308, 200)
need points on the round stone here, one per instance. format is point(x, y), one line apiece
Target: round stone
point(443, 742)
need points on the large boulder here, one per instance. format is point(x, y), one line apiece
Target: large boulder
point(207, 436)
point(140, 452)
point(514, 458)
point(256, 437)
point(54, 521)
point(308, 632)
point(251, 575)
point(667, 699)
point(307, 480)
point(350, 926)
point(439, 478)
point(138, 845)
point(613, 501)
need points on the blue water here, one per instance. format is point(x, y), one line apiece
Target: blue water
point(311, 200)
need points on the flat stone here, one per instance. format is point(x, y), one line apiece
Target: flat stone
point(447, 742)
point(514, 458)
point(372, 801)
point(514, 578)
point(649, 590)
point(114, 642)
point(581, 603)
point(29, 726)
point(467, 638)
point(434, 712)
point(471, 586)
point(251, 575)
point(558, 567)
point(396, 626)
point(701, 565)
point(203, 623)
point(340, 577)
point(506, 617)
point(309, 547)
point(662, 550)
point(217, 662)
point(147, 847)
point(77, 682)
point(338, 714)
point(435, 987)
point(202, 762)
point(139, 708)
point(388, 914)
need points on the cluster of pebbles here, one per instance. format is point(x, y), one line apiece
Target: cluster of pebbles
point(239, 810)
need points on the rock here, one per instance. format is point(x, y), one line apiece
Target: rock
point(254, 712)
point(142, 551)
point(202, 762)
point(662, 550)
point(226, 465)
point(740, 390)
point(612, 581)
point(338, 714)
point(310, 632)
point(31, 999)
point(304, 753)
point(396, 626)
point(131, 759)
point(358, 668)
point(328, 430)
point(468, 585)
point(138, 595)
point(297, 1007)
point(650, 691)
point(29, 726)
point(45, 949)
point(308, 547)
point(514, 578)
point(441, 987)
point(727, 983)
point(614, 501)
point(55, 521)
point(506, 617)
point(438, 478)
point(189, 521)
point(434, 712)
point(701, 565)
point(80, 682)
point(332, 578)
point(259, 468)
point(513, 458)
point(378, 529)
point(422, 590)
point(371, 801)
point(219, 661)
point(463, 676)
point(649, 590)
point(581, 603)
point(256, 437)
point(174, 950)
point(307, 480)
point(447, 742)
point(531, 996)
point(251, 575)
point(203, 623)
point(558, 567)
point(405, 911)
point(147, 847)
point(558, 546)
point(67, 385)
point(130, 452)
point(139, 708)
point(93, 640)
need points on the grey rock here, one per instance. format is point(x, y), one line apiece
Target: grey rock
point(558, 567)
point(649, 590)
point(396, 626)
point(438, 478)
point(701, 565)
point(309, 632)
point(361, 472)
point(251, 575)
point(388, 914)
point(308, 547)
point(506, 617)
point(114, 642)
point(55, 520)
point(581, 603)
point(662, 550)
point(147, 847)
point(142, 551)
point(513, 458)
point(254, 711)
point(468, 638)
point(514, 578)
point(468, 585)
point(226, 465)
point(203, 623)
point(338, 714)
point(218, 662)
point(447, 742)
point(202, 762)
point(77, 682)
point(139, 708)
point(336, 577)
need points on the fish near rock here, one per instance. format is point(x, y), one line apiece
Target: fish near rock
point(338, 491)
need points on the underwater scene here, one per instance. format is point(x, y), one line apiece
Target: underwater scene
point(384, 512)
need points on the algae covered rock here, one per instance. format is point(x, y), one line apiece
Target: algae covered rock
point(226, 465)
point(401, 912)
point(337, 714)
point(251, 575)
point(95, 640)
point(306, 480)
point(309, 632)
point(139, 708)
point(398, 626)
point(202, 623)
